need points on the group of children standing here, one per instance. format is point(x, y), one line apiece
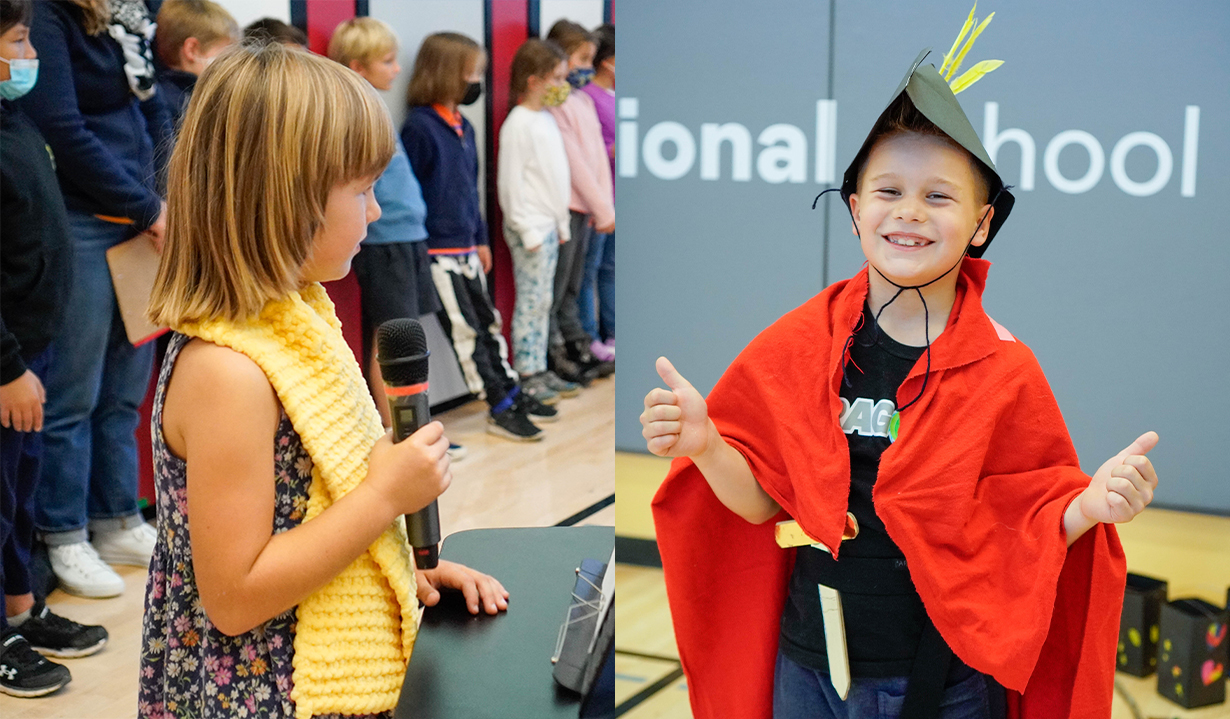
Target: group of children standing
point(430, 252)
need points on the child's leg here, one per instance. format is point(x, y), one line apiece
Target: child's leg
point(587, 301)
point(20, 456)
point(565, 320)
point(468, 317)
point(606, 290)
point(534, 272)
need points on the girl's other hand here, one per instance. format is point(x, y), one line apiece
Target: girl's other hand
point(411, 474)
point(484, 258)
point(478, 588)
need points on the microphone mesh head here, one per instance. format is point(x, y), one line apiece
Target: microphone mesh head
point(401, 350)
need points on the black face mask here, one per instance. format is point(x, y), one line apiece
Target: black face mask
point(473, 91)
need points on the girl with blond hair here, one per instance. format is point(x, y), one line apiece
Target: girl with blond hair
point(282, 581)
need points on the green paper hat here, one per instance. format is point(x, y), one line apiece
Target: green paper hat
point(936, 100)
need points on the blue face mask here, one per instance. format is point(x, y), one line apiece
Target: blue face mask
point(580, 77)
point(22, 76)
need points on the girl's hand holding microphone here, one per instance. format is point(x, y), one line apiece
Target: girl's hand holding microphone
point(411, 474)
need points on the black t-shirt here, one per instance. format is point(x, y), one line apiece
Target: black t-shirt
point(884, 616)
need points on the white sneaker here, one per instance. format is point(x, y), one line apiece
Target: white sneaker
point(133, 547)
point(82, 572)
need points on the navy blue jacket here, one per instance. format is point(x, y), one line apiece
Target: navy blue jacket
point(104, 139)
point(447, 169)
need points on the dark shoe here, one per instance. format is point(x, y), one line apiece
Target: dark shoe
point(513, 424)
point(58, 636)
point(537, 411)
point(567, 369)
point(561, 387)
point(24, 672)
point(536, 387)
point(578, 352)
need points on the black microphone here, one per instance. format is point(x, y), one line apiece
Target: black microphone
point(401, 350)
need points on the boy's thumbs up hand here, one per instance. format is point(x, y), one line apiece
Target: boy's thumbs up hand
point(675, 422)
point(1123, 486)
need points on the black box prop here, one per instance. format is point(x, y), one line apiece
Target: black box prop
point(1191, 654)
point(1138, 626)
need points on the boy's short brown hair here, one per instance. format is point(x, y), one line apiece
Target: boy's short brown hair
point(903, 117)
point(365, 39)
point(440, 68)
point(179, 20)
point(250, 176)
point(271, 29)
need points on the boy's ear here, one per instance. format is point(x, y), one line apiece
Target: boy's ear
point(854, 214)
point(190, 51)
point(357, 66)
point(985, 214)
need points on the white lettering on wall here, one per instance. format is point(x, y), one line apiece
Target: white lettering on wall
point(685, 150)
point(992, 139)
point(1191, 137)
point(712, 135)
point(629, 109)
point(1050, 161)
point(1118, 161)
point(783, 156)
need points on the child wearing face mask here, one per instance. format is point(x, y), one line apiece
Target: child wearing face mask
point(592, 207)
point(35, 277)
point(190, 35)
point(534, 189)
point(439, 141)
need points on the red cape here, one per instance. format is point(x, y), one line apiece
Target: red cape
point(973, 491)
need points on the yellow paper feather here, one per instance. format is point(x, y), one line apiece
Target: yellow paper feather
point(956, 65)
point(969, 22)
point(973, 75)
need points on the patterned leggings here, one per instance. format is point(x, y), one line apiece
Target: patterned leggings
point(535, 274)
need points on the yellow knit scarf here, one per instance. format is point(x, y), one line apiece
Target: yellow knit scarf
point(355, 634)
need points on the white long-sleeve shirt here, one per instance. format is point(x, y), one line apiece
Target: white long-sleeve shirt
point(532, 178)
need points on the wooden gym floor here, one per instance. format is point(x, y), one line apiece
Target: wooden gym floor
point(566, 478)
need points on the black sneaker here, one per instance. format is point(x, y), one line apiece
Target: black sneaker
point(537, 411)
point(578, 352)
point(568, 370)
point(24, 672)
point(513, 424)
point(58, 636)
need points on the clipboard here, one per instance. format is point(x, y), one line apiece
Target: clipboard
point(134, 265)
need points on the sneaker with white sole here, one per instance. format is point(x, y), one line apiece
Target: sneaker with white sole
point(132, 547)
point(82, 572)
point(24, 672)
point(56, 636)
point(561, 387)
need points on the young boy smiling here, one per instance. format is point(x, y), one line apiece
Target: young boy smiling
point(945, 533)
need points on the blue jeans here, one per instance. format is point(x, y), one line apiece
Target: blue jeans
point(599, 273)
point(95, 384)
point(802, 693)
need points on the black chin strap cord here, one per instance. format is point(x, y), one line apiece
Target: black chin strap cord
point(846, 359)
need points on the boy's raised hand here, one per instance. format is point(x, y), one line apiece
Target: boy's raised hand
point(675, 422)
point(1123, 486)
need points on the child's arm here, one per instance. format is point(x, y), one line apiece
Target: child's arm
point(585, 179)
point(221, 415)
point(676, 424)
point(1121, 489)
point(513, 157)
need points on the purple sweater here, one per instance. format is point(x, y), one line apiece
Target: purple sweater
point(604, 103)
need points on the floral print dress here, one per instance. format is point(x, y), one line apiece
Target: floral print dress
point(188, 667)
